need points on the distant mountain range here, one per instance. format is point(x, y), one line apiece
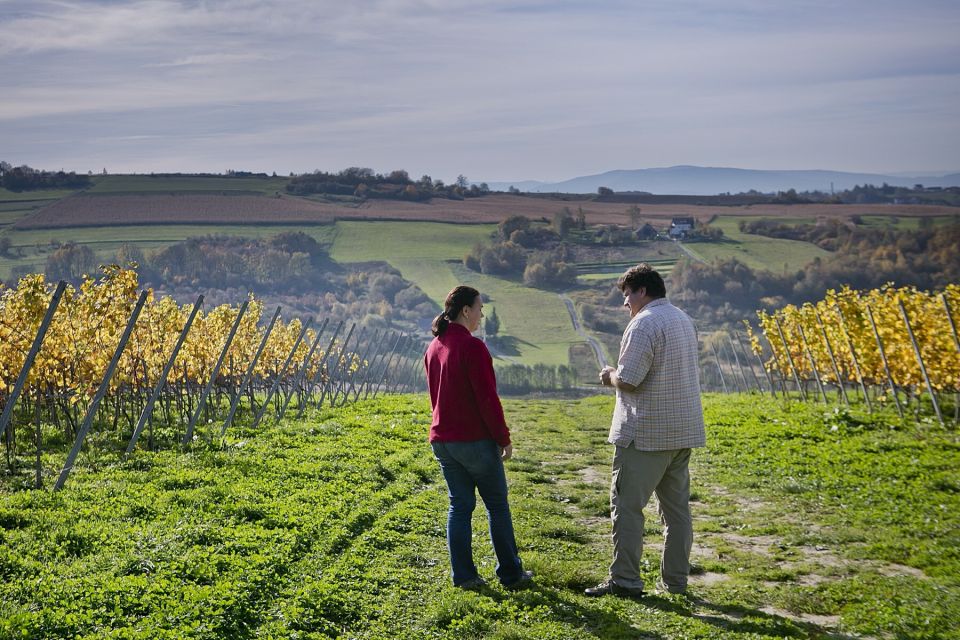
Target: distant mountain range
point(691, 180)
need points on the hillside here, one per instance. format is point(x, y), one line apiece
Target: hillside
point(425, 241)
point(713, 180)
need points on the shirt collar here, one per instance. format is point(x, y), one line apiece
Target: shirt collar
point(453, 326)
point(659, 302)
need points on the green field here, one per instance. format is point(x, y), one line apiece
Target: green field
point(535, 322)
point(20, 196)
point(186, 184)
point(359, 241)
point(905, 222)
point(808, 522)
point(758, 252)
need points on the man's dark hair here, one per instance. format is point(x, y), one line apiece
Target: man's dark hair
point(644, 276)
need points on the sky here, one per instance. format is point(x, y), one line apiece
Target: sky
point(496, 91)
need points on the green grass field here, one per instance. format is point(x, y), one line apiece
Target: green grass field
point(9, 216)
point(186, 184)
point(758, 252)
point(905, 222)
point(20, 196)
point(809, 523)
point(358, 241)
point(535, 322)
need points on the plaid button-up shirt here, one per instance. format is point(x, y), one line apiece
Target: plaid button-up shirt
point(659, 354)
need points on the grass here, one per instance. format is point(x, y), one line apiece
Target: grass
point(21, 196)
point(433, 241)
point(776, 254)
point(809, 523)
point(9, 216)
point(758, 252)
point(904, 223)
point(534, 323)
point(186, 184)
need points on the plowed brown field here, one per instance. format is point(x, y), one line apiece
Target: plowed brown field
point(106, 210)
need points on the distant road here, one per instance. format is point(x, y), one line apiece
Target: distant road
point(575, 319)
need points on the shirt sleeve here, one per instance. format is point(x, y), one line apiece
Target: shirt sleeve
point(483, 381)
point(636, 355)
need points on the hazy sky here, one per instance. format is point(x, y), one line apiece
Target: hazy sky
point(494, 90)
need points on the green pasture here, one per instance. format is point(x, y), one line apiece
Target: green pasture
point(903, 223)
point(758, 252)
point(117, 184)
point(358, 241)
point(809, 522)
point(9, 216)
point(612, 277)
point(535, 325)
point(20, 196)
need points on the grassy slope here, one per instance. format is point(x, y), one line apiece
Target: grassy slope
point(808, 522)
point(536, 322)
point(756, 251)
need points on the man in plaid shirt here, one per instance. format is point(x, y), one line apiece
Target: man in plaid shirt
point(657, 420)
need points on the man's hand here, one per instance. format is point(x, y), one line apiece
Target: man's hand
point(506, 452)
point(605, 375)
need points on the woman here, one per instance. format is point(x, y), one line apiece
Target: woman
point(470, 438)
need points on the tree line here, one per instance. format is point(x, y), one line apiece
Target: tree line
point(520, 379)
point(522, 251)
point(25, 178)
point(362, 182)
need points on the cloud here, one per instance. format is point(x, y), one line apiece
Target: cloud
point(212, 59)
point(538, 88)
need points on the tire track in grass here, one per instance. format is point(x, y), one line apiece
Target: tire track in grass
point(329, 585)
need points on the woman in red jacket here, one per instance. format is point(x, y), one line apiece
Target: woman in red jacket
point(470, 438)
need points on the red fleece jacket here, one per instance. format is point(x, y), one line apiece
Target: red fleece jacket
point(463, 389)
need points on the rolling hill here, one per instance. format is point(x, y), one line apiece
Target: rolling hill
point(693, 180)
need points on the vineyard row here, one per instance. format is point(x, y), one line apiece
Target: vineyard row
point(893, 341)
point(108, 356)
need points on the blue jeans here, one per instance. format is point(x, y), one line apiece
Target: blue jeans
point(476, 466)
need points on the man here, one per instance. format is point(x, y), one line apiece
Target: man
point(657, 420)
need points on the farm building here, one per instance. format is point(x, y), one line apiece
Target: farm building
point(679, 227)
point(646, 232)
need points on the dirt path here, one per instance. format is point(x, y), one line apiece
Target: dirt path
point(578, 327)
point(720, 553)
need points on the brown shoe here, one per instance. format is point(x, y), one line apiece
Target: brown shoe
point(612, 588)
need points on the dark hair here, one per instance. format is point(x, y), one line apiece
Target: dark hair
point(461, 296)
point(644, 276)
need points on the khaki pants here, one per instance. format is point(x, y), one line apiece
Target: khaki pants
point(636, 476)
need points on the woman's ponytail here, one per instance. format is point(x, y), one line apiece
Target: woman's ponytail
point(440, 324)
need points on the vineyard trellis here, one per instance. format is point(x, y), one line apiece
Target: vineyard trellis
point(893, 346)
point(116, 355)
point(888, 346)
